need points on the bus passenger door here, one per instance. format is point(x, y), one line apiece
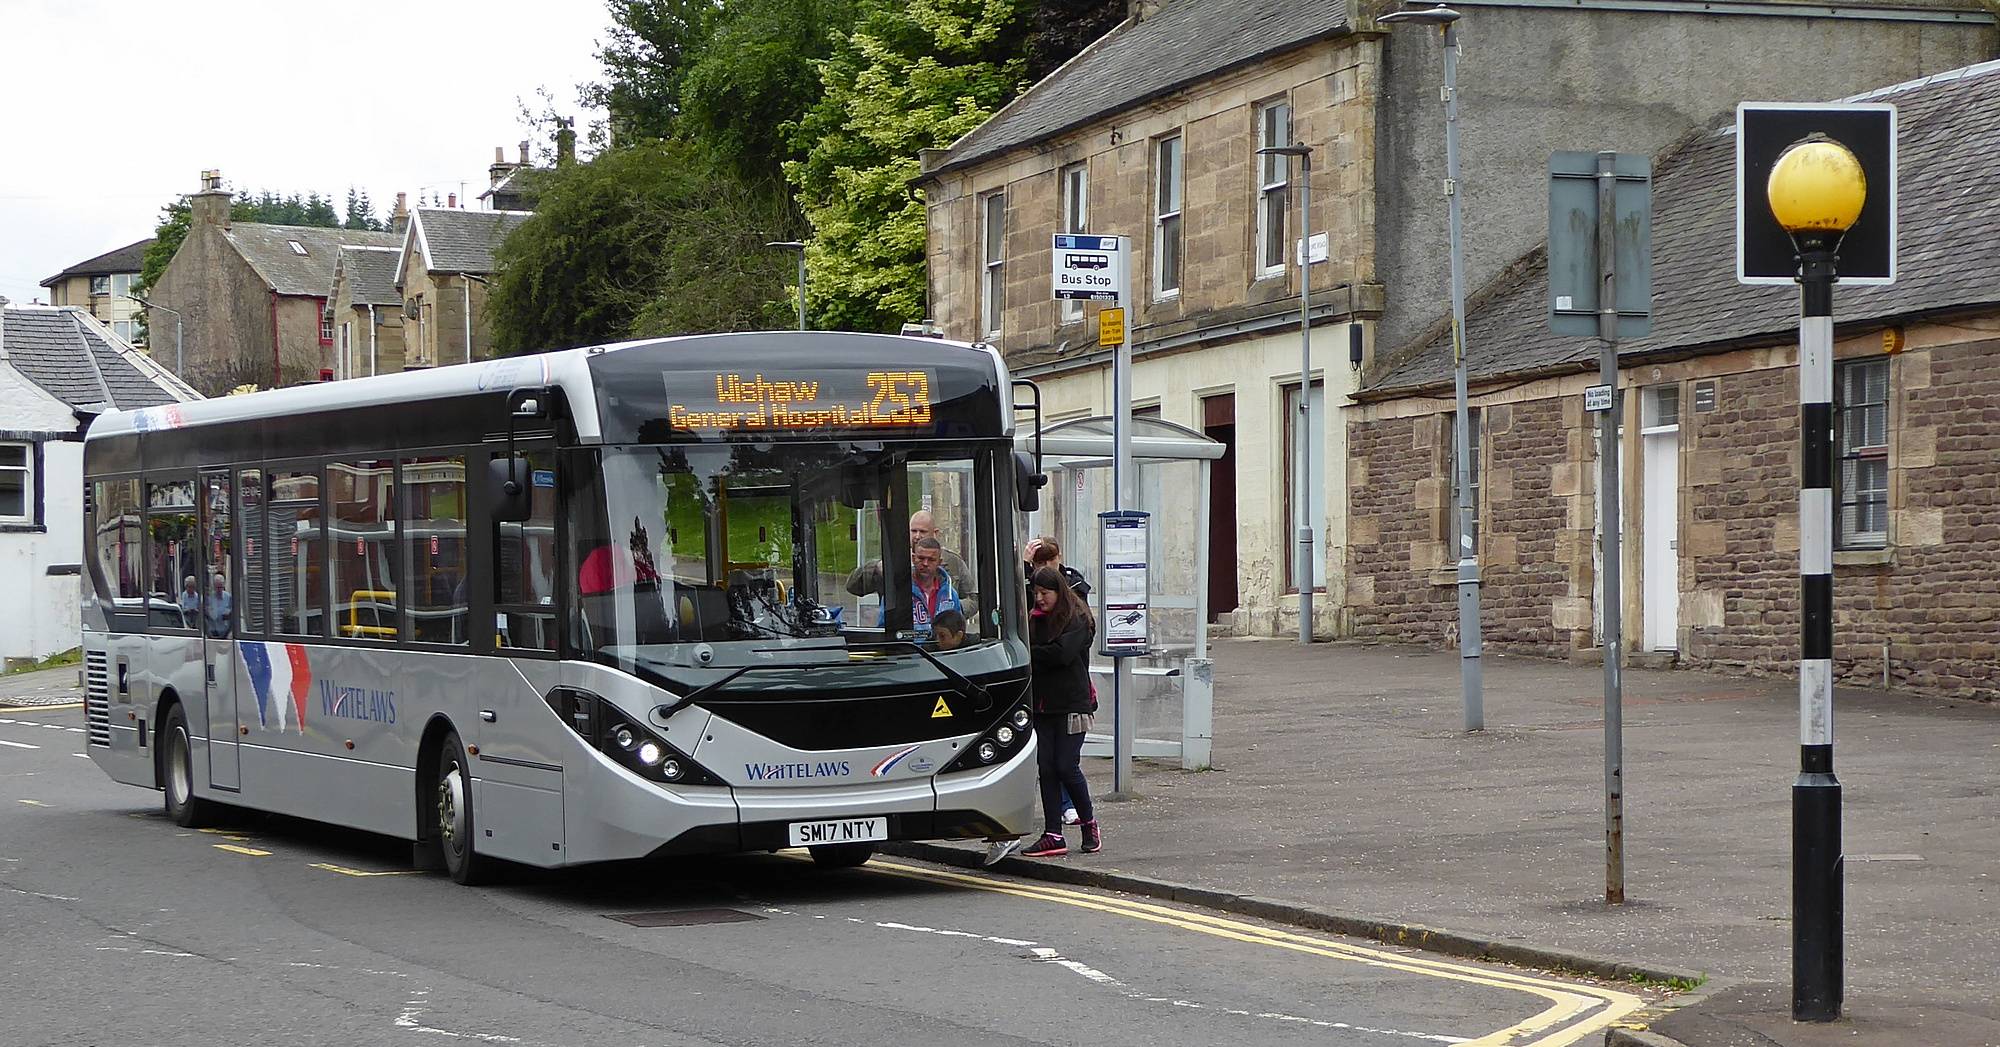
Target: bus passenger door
point(218, 630)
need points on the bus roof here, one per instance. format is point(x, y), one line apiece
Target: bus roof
point(580, 373)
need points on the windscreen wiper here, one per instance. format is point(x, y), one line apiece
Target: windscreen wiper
point(967, 686)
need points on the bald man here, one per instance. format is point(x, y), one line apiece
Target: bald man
point(867, 578)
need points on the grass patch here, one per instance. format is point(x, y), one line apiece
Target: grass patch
point(73, 656)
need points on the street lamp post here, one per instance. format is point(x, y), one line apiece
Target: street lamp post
point(1469, 646)
point(1304, 570)
point(1816, 192)
point(178, 360)
point(800, 247)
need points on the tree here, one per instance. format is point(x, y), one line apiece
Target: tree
point(651, 43)
point(646, 239)
point(360, 212)
point(912, 75)
point(1063, 28)
point(757, 75)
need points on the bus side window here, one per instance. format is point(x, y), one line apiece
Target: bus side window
point(434, 548)
point(524, 566)
point(293, 529)
point(120, 562)
point(173, 587)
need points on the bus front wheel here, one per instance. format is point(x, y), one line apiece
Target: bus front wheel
point(177, 774)
point(454, 820)
point(842, 855)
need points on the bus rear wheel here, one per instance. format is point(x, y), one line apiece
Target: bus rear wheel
point(177, 774)
point(454, 822)
point(842, 855)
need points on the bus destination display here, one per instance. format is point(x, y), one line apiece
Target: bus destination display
point(804, 401)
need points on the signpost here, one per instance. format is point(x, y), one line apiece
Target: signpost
point(1099, 269)
point(1600, 283)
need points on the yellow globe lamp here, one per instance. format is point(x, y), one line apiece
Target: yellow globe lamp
point(1817, 189)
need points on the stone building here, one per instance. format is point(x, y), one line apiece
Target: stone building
point(103, 286)
point(367, 312)
point(252, 296)
point(1710, 446)
point(1152, 132)
point(443, 277)
point(60, 367)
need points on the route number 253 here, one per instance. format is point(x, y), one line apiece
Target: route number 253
point(901, 397)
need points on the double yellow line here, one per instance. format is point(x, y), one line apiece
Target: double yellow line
point(1573, 1012)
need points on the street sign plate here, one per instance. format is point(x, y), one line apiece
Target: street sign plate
point(1110, 326)
point(1764, 130)
point(1573, 227)
point(1597, 398)
point(1088, 268)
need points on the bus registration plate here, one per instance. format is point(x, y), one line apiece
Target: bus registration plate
point(845, 830)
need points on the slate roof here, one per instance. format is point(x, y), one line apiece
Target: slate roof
point(1185, 42)
point(1947, 260)
point(268, 249)
point(456, 241)
point(371, 273)
point(127, 259)
point(77, 362)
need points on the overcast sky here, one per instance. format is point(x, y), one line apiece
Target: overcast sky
point(111, 108)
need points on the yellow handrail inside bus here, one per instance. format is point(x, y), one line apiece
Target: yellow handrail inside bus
point(354, 626)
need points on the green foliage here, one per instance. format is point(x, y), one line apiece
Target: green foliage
point(175, 218)
point(914, 74)
point(651, 45)
point(757, 75)
point(648, 239)
point(1062, 28)
point(361, 212)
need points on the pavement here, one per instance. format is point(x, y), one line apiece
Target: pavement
point(41, 687)
point(1347, 795)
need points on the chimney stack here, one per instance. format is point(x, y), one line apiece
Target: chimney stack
point(501, 168)
point(565, 142)
point(399, 219)
point(210, 206)
point(451, 200)
point(1137, 11)
point(524, 152)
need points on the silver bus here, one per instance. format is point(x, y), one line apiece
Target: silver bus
point(605, 603)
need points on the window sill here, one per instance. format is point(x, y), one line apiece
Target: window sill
point(1444, 575)
point(1275, 274)
point(1170, 296)
point(1864, 558)
point(21, 527)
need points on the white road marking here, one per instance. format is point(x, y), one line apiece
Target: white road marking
point(413, 1010)
point(38, 894)
point(18, 745)
point(146, 952)
point(1047, 955)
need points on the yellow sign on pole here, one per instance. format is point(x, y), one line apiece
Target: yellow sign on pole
point(1111, 327)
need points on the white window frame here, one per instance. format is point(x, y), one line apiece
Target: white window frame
point(993, 259)
point(1274, 182)
point(1169, 177)
point(91, 285)
point(1075, 194)
point(121, 284)
point(1851, 456)
point(345, 355)
point(297, 247)
point(27, 471)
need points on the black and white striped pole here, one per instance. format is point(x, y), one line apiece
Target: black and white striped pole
point(1816, 192)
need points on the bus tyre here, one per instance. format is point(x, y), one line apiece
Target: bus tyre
point(842, 855)
point(451, 806)
point(177, 774)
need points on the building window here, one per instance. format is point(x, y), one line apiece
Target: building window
point(17, 483)
point(1862, 389)
point(1315, 485)
point(1075, 217)
point(993, 237)
point(1167, 219)
point(121, 284)
point(127, 331)
point(100, 286)
point(297, 247)
point(325, 323)
point(1274, 129)
point(1475, 424)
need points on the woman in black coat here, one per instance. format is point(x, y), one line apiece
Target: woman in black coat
point(1060, 630)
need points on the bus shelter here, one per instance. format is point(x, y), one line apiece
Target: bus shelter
point(1174, 684)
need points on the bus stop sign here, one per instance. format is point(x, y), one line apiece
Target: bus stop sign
point(1764, 130)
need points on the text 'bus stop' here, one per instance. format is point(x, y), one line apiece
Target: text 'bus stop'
point(1174, 683)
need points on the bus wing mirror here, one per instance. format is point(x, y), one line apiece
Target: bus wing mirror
point(1028, 482)
point(512, 495)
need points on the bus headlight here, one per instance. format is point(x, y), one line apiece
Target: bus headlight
point(1005, 735)
point(988, 752)
point(1021, 718)
point(627, 742)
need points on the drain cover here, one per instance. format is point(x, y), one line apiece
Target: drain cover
point(682, 917)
